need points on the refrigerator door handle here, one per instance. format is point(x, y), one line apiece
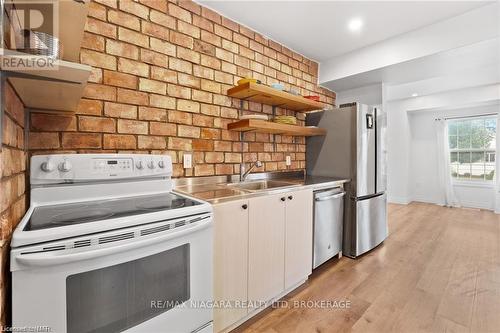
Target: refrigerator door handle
point(369, 121)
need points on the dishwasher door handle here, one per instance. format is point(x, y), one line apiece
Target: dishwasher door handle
point(335, 196)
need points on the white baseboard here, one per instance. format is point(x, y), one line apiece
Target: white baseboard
point(398, 200)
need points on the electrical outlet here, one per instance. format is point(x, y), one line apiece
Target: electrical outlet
point(288, 160)
point(187, 161)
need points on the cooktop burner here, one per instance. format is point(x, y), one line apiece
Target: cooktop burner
point(52, 216)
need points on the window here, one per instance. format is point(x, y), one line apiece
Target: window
point(473, 148)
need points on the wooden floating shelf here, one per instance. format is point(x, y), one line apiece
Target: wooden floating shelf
point(262, 126)
point(263, 94)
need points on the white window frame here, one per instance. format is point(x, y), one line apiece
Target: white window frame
point(469, 182)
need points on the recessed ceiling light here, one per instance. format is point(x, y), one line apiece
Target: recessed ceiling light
point(355, 24)
point(414, 95)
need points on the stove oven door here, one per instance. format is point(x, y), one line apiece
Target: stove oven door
point(152, 278)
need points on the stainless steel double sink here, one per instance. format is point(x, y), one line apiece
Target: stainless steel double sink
point(260, 185)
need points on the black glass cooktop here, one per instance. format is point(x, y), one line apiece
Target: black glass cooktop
point(68, 214)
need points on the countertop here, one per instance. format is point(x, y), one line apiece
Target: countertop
point(218, 189)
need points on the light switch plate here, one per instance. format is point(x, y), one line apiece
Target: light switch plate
point(288, 160)
point(187, 161)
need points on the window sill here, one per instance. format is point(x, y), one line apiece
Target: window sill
point(479, 184)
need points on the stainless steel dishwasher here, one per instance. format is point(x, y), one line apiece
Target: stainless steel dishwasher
point(328, 221)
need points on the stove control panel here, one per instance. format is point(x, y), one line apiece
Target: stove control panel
point(48, 169)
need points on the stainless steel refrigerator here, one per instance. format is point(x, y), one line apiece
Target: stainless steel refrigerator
point(354, 147)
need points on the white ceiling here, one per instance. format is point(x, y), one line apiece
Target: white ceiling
point(318, 29)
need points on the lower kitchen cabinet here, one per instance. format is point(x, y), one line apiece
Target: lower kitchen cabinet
point(266, 247)
point(230, 261)
point(262, 247)
point(298, 236)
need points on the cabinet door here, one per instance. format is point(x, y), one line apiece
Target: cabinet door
point(298, 236)
point(266, 242)
point(230, 261)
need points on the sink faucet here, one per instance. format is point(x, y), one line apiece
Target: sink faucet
point(244, 174)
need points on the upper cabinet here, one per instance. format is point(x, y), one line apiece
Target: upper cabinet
point(64, 79)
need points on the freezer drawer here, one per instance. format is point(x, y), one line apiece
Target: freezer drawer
point(328, 221)
point(365, 224)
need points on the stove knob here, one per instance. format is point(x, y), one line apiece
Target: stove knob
point(48, 166)
point(140, 165)
point(65, 166)
point(161, 164)
point(151, 164)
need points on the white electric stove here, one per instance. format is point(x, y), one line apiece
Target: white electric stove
point(106, 246)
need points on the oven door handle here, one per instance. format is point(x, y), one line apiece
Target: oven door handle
point(67, 256)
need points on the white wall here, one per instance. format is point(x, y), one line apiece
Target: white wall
point(405, 139)
point(423, 178)
point(371, 95)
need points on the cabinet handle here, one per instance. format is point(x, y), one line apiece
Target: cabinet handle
point(283, 199)
point(290, 197)
point(245, 206)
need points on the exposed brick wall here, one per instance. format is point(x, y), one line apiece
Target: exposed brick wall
point(161, 72)
point(12, 185)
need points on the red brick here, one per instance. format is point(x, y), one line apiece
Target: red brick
point(211, 110)
point(178, 91)
point(210, 133)
point(124, 19)
point(179, 12)
point(222, 146)
point(96, 124)
point(93, 42)
point(97, 11)
point(97, 59)
point(214, 157)
point(42, 140)
point(160, 128)
point(203, 72)
point(162, 19)
point(132, 126)
point(223, 32)
point(162, 46)
point(232, 158)
point(210, 62)
point(160, 101)
point(211, 15)
point(132, 97)
point(202, 120)
point(209, 85)
point(180, 66)
point(135, 8)
point(223, 169)
point(120, 79)
point(117, 110)
point(180, 144)
point(133, 67)
point(163, 74)
point(188, 80)
point(99, 91)
point(180, 117)
point(148, 113)
point(190, 6)
point(201, 96)
point(154, 58)
point(188, 29)
point(116, 141)
point(52, 122)
point(203, 23)
point(100, 28)
point(203, 145)
point(151, 142)
point(132, 36)
point(88, 106)
point(230, 24)
point(122, 49)
point(160, 5)
point(188, 131)
point(154, 30)
point(152, 86)
point(203, 47)
point(188, 55)
point(189, 106)
point(204, 170)
point(81, 140)
point(181, 39)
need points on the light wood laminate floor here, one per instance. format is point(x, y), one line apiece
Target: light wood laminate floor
point(438, 271)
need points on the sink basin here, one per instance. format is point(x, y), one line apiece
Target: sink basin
point(260, 185)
